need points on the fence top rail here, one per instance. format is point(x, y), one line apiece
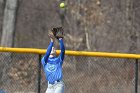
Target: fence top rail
point(71, 53)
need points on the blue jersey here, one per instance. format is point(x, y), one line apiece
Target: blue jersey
point(53, 66)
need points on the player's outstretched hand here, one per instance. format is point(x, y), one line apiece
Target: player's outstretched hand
point(51, 35)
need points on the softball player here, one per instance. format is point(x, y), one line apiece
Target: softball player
point(52, 66)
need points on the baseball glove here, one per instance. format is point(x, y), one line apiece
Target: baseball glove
point(58, 32)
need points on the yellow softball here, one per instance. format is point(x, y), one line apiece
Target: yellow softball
point(62, 5)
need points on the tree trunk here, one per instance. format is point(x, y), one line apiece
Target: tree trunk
point(130, 22)
point(9, 23)
point(7, 37)
point(1, 15)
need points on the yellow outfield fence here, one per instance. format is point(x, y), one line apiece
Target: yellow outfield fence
point(72, 53)
point(84, 71)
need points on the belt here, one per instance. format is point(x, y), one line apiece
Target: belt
point(54, 82)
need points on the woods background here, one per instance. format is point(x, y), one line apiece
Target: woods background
point(89, 25)
point(93, 25)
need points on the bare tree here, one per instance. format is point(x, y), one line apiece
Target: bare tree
point(9, 23)
point(1, 14)
point(7, 35)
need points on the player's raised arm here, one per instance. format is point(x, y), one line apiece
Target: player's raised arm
point(46, 56)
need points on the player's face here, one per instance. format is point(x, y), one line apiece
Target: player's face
point(53, 52)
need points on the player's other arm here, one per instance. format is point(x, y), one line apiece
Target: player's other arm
point(62, 48)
